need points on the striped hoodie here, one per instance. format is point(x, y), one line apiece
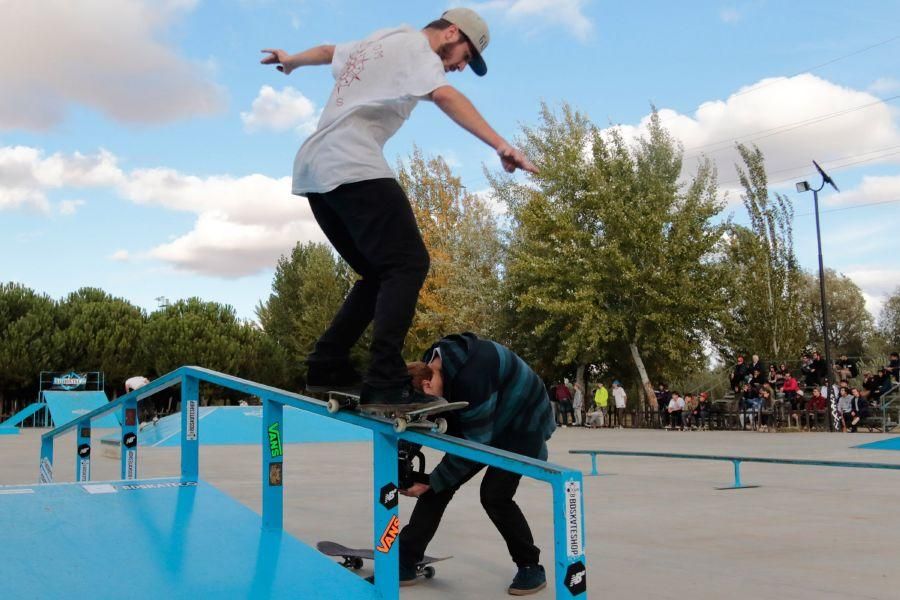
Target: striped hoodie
point(506, 398)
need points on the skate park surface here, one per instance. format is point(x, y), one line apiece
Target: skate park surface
point(655, 528)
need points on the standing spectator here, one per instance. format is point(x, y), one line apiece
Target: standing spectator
point(662, 403)
point(621, 398)
point(676, 412)
point(894, 366)
point(766, 408)
point(775, 379)
point(578, 405)
point(701, 412)
point(818, 368)
point(564, 397)
point(739, 375)
point(601, 399)
point(551, 393)
point(757, 365)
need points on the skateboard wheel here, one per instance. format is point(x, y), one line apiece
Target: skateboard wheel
point(429, 572)
point(400, 424)
point(440, 425)
point(357, 563)
point(333, 405)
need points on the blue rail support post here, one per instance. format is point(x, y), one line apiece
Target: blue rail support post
point(46, 467)
point(385, 517)
point(190, 428)
point(568, 533)
point(129, 462)
point(83, 454)
point(273, 464)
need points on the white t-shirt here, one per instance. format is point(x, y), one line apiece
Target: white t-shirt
point(619, 395)
point(676, 403)
point(378, 82)
point(133, 383)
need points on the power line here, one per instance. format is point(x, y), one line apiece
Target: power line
point(802, 71)
point(854, 207)
point(764, 133)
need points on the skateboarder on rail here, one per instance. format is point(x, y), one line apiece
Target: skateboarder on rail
point(508, 409)
point(354, 194)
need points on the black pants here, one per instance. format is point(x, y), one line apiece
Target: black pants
point(497, 490)
point(372, 226)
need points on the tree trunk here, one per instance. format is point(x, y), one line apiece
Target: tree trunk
point(645, 381)
point(579, 379)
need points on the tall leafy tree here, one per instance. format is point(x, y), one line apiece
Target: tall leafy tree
point(850, 325)
point(461, 292)
point(766, 289)
point(98, 332)
point(27, 330)
point(889, 322)
point(612, 258)
point(308, 288)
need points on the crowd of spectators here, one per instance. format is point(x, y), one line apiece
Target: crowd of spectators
point(573, 407)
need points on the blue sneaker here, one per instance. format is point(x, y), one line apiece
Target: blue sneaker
point(528, 580)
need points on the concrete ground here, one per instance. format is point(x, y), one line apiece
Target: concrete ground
point(655, 528)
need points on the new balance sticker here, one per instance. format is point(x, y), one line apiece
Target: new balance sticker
point(388, 496)
point(389, 536)
point(576, 578)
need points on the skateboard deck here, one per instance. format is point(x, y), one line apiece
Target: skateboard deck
point(416, 415)
point(353, 557)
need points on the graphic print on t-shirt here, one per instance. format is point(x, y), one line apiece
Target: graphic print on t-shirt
point(356, 64)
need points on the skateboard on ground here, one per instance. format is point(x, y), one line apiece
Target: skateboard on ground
point(353, 558)
point(418, 415)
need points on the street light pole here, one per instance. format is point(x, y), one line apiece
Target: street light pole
point(803, 186)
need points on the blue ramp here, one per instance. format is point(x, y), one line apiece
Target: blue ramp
point(8, 427)
point(69, 406)
point(158, 538)
point(224, 425)
point(888, 444)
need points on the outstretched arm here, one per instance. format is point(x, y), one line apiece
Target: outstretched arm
point(320, 55)
point(456, 106)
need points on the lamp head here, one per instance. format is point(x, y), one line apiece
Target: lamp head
point(803, 186)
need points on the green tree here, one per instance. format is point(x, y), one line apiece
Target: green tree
point(889, 322)
point(850, 325)
point(27, 329)
point(766, 288)
point(461, 292)
point(612, 259)
point(98, 332)
point(309, 287)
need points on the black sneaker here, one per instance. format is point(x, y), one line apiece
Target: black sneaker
point(408, 576)
point(528, 580)
point(405, 396)
point(338, 376)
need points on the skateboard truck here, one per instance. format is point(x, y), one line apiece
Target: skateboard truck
point(417, 416)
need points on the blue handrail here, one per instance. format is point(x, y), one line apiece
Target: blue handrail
point(566, 484)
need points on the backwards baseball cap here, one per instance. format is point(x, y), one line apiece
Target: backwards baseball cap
point(474, 28)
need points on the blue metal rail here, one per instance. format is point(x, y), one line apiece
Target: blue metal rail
point(736, 461)
point(566, 484)
point(9, 426)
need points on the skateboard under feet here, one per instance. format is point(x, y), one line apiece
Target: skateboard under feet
point(417, 416)
point(353, 558)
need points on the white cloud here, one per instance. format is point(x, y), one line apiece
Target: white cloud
point(120, 256)
point(107, 56)
point(567, 13)
point(876, 285)
point(872, 188)
point(26, 175)
point(281, 110)
point(885, 85)
point(792, 120)
point(70, 207)
point(730, 15)
point(243, 223)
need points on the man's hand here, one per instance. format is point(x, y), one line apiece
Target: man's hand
point(512, 159)
point(416, 490)
point(278, 57)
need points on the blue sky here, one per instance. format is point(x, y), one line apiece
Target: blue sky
point(144, 149)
